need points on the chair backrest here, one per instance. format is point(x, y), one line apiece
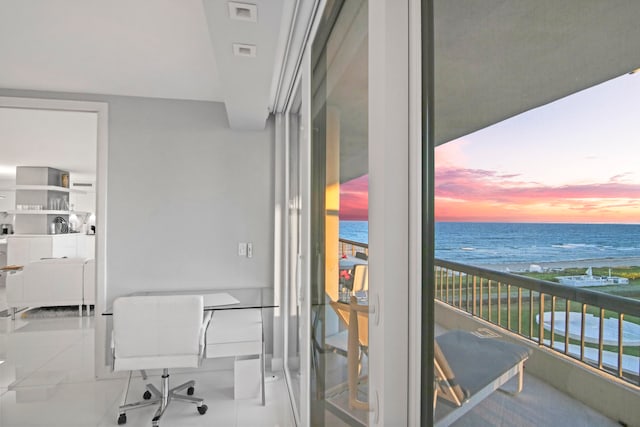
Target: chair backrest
point(360, 278)
point(157, 325)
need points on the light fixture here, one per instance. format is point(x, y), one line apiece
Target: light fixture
point(636, 71)
point(246, 50)
point(243, 11)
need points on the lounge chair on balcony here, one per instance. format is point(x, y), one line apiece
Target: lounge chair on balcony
point(469, 368)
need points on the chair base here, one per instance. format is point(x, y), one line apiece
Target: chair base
point(163, 397)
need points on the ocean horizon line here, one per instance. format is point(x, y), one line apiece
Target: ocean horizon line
point(514, 222)
point(478, 243)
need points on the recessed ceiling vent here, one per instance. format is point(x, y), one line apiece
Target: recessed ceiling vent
point(243, 11)
point(246, 50)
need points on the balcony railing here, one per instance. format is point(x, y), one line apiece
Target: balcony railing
point(350, 247)
point(595, 328)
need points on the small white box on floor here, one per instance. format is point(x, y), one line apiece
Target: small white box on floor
point(246, 376)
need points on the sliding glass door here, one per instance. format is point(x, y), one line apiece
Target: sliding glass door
point(339, 162)
point(293, 297)
point(348, 138)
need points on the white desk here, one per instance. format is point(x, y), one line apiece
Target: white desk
point(236, 328)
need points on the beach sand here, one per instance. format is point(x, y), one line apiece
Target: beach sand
point(584, 263)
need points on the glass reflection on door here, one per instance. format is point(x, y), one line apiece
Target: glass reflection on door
point(339, 155)
point(293, 273)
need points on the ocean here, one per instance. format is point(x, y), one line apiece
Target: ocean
point(486, 243)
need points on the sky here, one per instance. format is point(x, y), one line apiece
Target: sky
point(354, 199)
point(576, 160)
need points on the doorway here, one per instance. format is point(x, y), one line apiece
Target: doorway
point(100, 110)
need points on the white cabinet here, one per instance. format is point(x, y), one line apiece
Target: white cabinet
point(86, 246)
point(64, 245)
point(23, 249)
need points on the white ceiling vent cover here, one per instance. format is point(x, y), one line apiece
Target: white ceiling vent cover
point(246, 50)
point(243, 11)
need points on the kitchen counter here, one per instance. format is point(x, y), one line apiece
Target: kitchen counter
point(49, 235)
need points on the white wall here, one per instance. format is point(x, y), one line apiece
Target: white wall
point(183, 190)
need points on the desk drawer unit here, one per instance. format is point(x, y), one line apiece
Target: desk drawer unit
point(238, 333)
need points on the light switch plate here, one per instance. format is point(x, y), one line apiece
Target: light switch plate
point(242, 249)
point(249, 250)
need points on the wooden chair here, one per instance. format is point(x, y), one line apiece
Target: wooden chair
point(356, 317)
point(360, 279)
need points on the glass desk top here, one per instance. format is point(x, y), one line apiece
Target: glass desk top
point(222, 299)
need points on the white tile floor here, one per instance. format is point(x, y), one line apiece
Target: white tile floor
point(47, 379)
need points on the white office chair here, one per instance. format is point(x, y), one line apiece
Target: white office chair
point(159, 332)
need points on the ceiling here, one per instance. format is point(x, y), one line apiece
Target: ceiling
point(493, 58)
point(498, 58)
point(177, 49)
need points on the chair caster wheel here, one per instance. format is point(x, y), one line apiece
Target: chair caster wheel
point(190, 391)
point(203, 409)
point(122, 419)
point(146, 395)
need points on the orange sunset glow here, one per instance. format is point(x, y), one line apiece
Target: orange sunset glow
point(481, 196)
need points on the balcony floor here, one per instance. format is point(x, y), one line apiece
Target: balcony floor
point(539, 404)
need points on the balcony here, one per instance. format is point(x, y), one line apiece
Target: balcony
point(584, 368)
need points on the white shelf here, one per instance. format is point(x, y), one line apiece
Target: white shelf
point(45, 188)
point(40, 212)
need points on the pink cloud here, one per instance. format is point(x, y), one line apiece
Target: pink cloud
point(477, 194)
point(354, 199)
point(478, 184)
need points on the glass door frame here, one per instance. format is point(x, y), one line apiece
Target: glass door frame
point(396, 246)
point(302, 84)
point(395, 114)
point(289, 258)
